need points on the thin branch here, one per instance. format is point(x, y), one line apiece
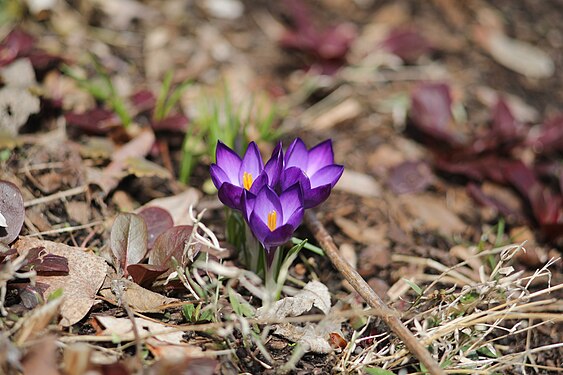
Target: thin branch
point(56, 196)
point(381, 310)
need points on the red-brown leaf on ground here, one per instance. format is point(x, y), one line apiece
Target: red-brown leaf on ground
point(176, 122)
point(431, 113)
point(128, 240)
point(327, 48)
point(143, 100)
point(170, 244)
point(96, 121)
point(158, 220)
point(145, 274)
point(12, 212)
point(86, 274)
point(410, 177)
point(407, 43)
point(16, 44)
point(46, 264)
point(549, 137)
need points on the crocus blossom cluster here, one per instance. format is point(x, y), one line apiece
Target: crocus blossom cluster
point(273, 197)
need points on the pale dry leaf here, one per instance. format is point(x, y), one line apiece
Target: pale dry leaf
point(368, 236)
point(86, 275)
point(19, 74)
point(178, 205)
point(359, 184)
point(123, 328)
point(141, 167)
point(312, 337)
point(16, 105)
point(137, 297)
point(431, 213)
point(314, 293)
point(36, 321)
point(519, 56)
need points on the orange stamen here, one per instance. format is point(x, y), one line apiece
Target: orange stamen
point(247, 180)
point(272, 220)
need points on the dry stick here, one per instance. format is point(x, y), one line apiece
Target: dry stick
point(380, 309)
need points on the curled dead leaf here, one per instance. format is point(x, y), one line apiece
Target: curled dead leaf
point(86, 275)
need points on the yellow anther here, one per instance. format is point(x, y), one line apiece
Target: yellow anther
point(247, 180)
point(272, 220)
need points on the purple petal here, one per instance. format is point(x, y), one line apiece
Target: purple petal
point(230, 195)
point(279, 236)
point(296, 219)
point(218, 175)
point(320, 156)
point(248, 200)
point(267, 201)
point(259, 228)
point(297, 155)
point(316, 196)
point(291, 200)
point(294, 175)
point(229, 161)
point(259, 183)
point(274, 166)
point(327, 175)
point(251, 163)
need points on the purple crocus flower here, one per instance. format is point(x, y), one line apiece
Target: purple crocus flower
point(313, 169)
point(232, 175)
point(273, 218)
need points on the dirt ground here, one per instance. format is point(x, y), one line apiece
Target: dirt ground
point(446, 116)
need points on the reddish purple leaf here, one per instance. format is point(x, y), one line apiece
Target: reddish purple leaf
point(407, 43)
point(475, 192)
point(143, 100)
point(410, 177)
point(145, 274)
point(326, 47)
point(128, 240)
point(158, 220)
point(16, 44)
point(175, 123)
point(46, 264)
point(97, 121)
point(431, 112)
point(550, 137)
point(170, 244)
point(12, 210)
point(504, 123)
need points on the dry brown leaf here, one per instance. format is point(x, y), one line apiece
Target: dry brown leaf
point(312, 337)
point(178, 205)
point(19, 74)
point(137, 297)
point(368, 236)
point(358, 183)
point(86, 275)
point(37, 320)
point(516, 55)
point(155, 333)
point(432, 214)
point(42, 358)
point(314, 293)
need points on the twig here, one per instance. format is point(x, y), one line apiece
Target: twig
point(388, 315)
point(59, 195)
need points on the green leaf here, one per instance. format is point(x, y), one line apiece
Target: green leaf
point(414, 287)
point(378, 371)
point(57, 293)
point(241, 308)
point(308, 246)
